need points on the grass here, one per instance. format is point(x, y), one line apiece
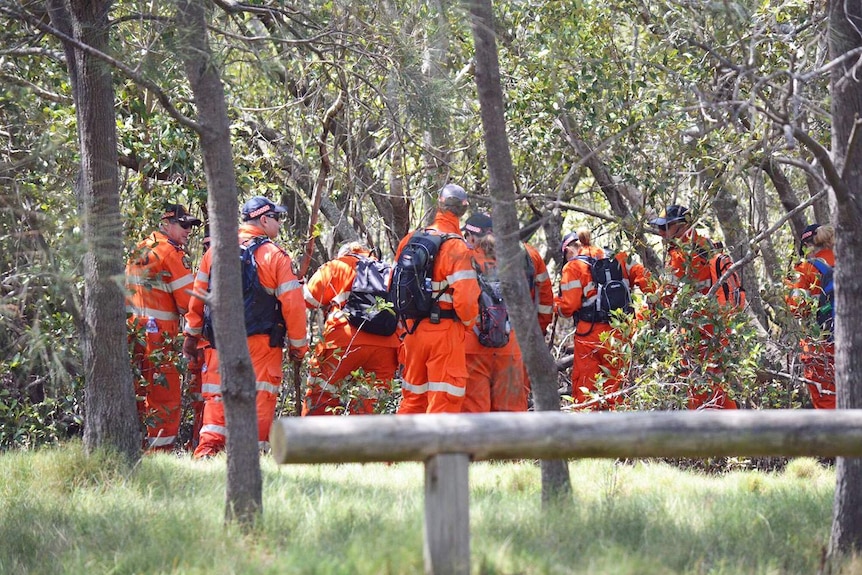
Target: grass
point(61, 512)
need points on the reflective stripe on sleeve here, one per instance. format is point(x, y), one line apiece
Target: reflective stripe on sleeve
point(286, 287)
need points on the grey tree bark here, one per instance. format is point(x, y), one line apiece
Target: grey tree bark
point(111, 420)
point(845, 20)
point(540, 365)
point(436, 137)
point(243, 497)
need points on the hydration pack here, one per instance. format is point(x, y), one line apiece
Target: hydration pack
point(731, 293)
point(366, 307)
point(826, 301)
point(410, 291)
point(493, 327)
point(262, 309)
point(612, 290)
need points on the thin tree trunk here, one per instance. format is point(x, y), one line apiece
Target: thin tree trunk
point(540, 365)
point(109, 399)
point(845, 19)
point(244, 484)
point(436, 137)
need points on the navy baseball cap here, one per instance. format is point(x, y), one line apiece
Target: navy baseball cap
point(178, 213)
point(569, 238)
point(479, 224)
point(671, 215)
point(259, 206)
point(807, 236)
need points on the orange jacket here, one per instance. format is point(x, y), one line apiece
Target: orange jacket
point(805, 282)
point(329, 288)
point(689, 261)
point(577, 289)
point(158, 277)
point(543, 291)
point(453, 273)
point(276, 277)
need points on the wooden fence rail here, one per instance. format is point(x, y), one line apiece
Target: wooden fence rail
point(448, 442)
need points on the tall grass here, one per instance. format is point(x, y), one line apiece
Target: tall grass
point(62, 512)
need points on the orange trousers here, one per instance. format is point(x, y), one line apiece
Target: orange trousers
point(714, 395)
point(496, 381)
point(267, 363)
point(330, 371)
point(435, 368)
point(594, 359)
point(197, 401)
point(160, 392)
point(818, 364)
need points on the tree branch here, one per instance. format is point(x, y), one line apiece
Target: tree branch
point(128, 72)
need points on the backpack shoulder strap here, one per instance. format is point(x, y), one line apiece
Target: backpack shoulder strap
point(821, 265)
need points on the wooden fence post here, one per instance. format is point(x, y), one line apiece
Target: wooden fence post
point(447, 514)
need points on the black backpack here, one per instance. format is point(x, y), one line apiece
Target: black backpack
point(410, 290)
point(364, 308)
point(826, 302)
point(262, 309)
point(612, 287)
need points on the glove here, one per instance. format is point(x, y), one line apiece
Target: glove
point(190, 348)
point(297, 354)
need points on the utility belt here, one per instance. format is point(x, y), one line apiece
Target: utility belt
point(437, 314)
point(594, 316)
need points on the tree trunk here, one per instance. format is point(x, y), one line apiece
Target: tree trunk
point(540, 364)
point(111, 419)
point(846, 90)
point(244, 483)
point(436, 138)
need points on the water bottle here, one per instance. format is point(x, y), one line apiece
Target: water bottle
point(151, 326)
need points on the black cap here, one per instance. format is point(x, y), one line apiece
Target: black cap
point(259, 206)
point(807, 236)
point(478, 224)
point(671, 215)
point(569, 238)
point(178, 213)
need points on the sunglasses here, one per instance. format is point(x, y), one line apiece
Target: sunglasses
point(275, 216)
point(183, 225)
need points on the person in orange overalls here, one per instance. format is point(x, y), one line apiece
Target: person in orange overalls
point(688, 262)
point(579, 297)
point(496, 380)
point(344, 348)
point(195, 388)
point(158, 277)
point(261, 222)
point(818, 354)
point(434, 377)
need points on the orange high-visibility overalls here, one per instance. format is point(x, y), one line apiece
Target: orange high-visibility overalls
point(344, 348)
point(496, 379)
point(592, 355)
point(157, 279)
point(818, 356)
point(688, 263)
point(276, 278)
point(435, 370)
